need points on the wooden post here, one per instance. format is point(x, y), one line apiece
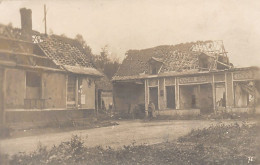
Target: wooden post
point(214, 93)
point(226, 90)
point(199, 98)
point(177, 93)
point(3, 97)
point(77, 92)
point(148, 93)
point(158, 92)
point(114, 100)
point(146, 97)
point(232, 85)
point(101, 101)
point(66, 90)
point(164, 94)
point(42, 86)
point(96, 99)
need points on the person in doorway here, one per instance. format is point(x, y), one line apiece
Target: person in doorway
point(151, 109)
point(110, 108)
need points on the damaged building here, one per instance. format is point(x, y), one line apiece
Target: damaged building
point(43, 78)
point(185, 79)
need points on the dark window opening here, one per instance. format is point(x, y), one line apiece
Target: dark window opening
point(170, 95)
point(154, 96)
point(80, 90)
point(224, 99)
point(223, 60)
point(220, 95)
point(71, 91)
point(154, 70)
point(33, 97)
point(193, 101)
point(33, 79)
point(203, 61)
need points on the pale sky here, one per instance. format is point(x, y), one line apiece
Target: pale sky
point(139, 24)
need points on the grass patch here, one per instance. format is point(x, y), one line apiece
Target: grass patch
point(212, 116)
point(221, 144)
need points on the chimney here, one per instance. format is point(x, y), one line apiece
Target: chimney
point(26, 23)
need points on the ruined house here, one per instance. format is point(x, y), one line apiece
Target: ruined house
point(185, 79)
point(43, 78)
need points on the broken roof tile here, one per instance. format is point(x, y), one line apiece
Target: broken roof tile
point(63, 53)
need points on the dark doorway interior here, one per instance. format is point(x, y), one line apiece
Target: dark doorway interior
point(193, 101)
point(154, 96)
point(170, 95)
point(206, 99)
point(99, 100)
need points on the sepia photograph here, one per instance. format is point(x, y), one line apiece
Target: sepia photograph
point(140, 82)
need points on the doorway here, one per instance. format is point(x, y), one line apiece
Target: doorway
point(154, 96)
point(170, 95)
point(220, 95)
point(206, 99)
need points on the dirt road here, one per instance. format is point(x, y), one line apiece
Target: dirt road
point(125, 133)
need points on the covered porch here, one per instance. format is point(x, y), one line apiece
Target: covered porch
point(217, 92)
point(180, 95)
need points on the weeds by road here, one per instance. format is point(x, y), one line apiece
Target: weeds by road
point(221, 144)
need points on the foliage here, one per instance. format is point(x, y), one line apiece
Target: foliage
point(4, 159)
point(86, 48)
point(213, 116)
point(179, 117)
point(229, 142)
point(211, 145)
point(228, 115)
point(104, 61)
point(69, 152)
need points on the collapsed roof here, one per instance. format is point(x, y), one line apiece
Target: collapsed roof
point(175, 58)
point(66, 53)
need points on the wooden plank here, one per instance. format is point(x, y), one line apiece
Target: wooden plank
point(66, 91)
point(3, 97)
point(16, 40)
point(177, 93)
point(145, 95)
point(22, 54)
point(226, 88)
point(158, 91)
point(164, 94)
point(223, 64)
point(214, 93)
point(114, 100)
point(77, 92)
point(233, 93)
point(8, 63)
point(148, 94)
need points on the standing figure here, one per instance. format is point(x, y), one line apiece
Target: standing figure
point(151, 109)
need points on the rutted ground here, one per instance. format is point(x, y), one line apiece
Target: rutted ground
point(125, 133)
